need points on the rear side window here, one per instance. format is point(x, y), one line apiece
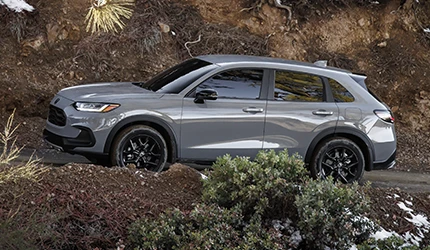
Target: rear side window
point(236, 84)
point(340, 93)
point(295, 86)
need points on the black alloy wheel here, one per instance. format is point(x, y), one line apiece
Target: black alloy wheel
point(141, 146)
point(340, 158)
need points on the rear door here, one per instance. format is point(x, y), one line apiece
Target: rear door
point(297, 111)
point(233, 123)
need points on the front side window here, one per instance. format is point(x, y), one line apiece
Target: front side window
point(300, 87)
point(340, 93)
point(238, 83)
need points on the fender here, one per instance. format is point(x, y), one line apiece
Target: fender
point(139, 119)
point(343, 132)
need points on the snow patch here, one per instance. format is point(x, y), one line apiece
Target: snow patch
point(419, 220)
point(404, 207)
point(204, 177)
point(17, 5)
point(382, 234)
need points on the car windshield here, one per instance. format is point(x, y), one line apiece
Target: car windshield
point(162, 80)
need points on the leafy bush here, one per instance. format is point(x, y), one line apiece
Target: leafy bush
point(205, 227)
point(391, 243)
point(265, 186)
point(277, 186)
point(330, 214)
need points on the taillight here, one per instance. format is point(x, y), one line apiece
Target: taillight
point(384, 115)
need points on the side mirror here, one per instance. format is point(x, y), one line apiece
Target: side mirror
point(205, 94)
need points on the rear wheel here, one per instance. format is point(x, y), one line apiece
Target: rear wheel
point(141, 146)
point(340, 158)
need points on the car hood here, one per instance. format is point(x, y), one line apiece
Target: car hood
point(110, 91)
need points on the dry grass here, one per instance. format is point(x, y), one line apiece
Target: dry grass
point(106, 15)
point(10, 150)
point(30, 170)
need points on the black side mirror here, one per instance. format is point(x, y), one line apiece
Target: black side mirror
point(205, 94)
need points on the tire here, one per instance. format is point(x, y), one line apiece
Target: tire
point(340, 158)
point(141, 146)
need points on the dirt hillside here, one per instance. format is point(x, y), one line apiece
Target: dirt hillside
point(49, 49)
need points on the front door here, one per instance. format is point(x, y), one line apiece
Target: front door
point(232, 124)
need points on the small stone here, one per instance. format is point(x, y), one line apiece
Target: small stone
point(164, 27)
point(382, 44)
point(131, 166)
point(362, 22)
point(387, 35)
point(71, 75)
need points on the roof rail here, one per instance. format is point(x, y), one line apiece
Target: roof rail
point(321, 63)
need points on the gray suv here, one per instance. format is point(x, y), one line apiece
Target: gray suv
point(213, 105)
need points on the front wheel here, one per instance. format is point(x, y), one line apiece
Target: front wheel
point(141, 146)
point(340, 158)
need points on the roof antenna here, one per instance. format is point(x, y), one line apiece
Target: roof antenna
point(321, 63)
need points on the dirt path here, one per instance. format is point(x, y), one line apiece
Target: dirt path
point(406, 181)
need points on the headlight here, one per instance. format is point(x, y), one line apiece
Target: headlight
point(95, 107)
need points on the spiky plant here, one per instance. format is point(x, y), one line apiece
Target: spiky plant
point(107, 15)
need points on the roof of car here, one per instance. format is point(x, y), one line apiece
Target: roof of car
point(220, 59)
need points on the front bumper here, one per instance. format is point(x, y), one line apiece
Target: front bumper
point(85, 138)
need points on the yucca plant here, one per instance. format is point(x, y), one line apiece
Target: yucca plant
point(107, 15)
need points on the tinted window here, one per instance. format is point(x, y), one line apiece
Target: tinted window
point(294, 86)
point(340, 93)
point(161, 82)
point(243, 84)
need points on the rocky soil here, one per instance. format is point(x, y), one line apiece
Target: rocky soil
point(49, 49)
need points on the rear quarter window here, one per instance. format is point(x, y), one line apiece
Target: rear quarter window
point(340, 93)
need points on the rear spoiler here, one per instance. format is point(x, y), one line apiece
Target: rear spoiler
point(359, 78)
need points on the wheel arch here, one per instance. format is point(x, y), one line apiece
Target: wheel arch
point(156, 123)
point(357, 136)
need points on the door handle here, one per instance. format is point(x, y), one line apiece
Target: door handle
point(253, 110)
point(322, 112)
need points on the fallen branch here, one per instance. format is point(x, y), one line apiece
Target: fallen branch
point(286, 7)
point(196, 41)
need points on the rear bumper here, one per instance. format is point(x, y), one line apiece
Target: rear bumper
point(386, 164)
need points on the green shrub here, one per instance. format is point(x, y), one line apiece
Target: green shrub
point(205, 227)
point(330, 214)
point(390, 243)
point(268, 203)
point(265, 186)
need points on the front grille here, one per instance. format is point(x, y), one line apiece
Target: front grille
point(56, 116)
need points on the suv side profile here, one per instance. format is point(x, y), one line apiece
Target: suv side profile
point(212, 105)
